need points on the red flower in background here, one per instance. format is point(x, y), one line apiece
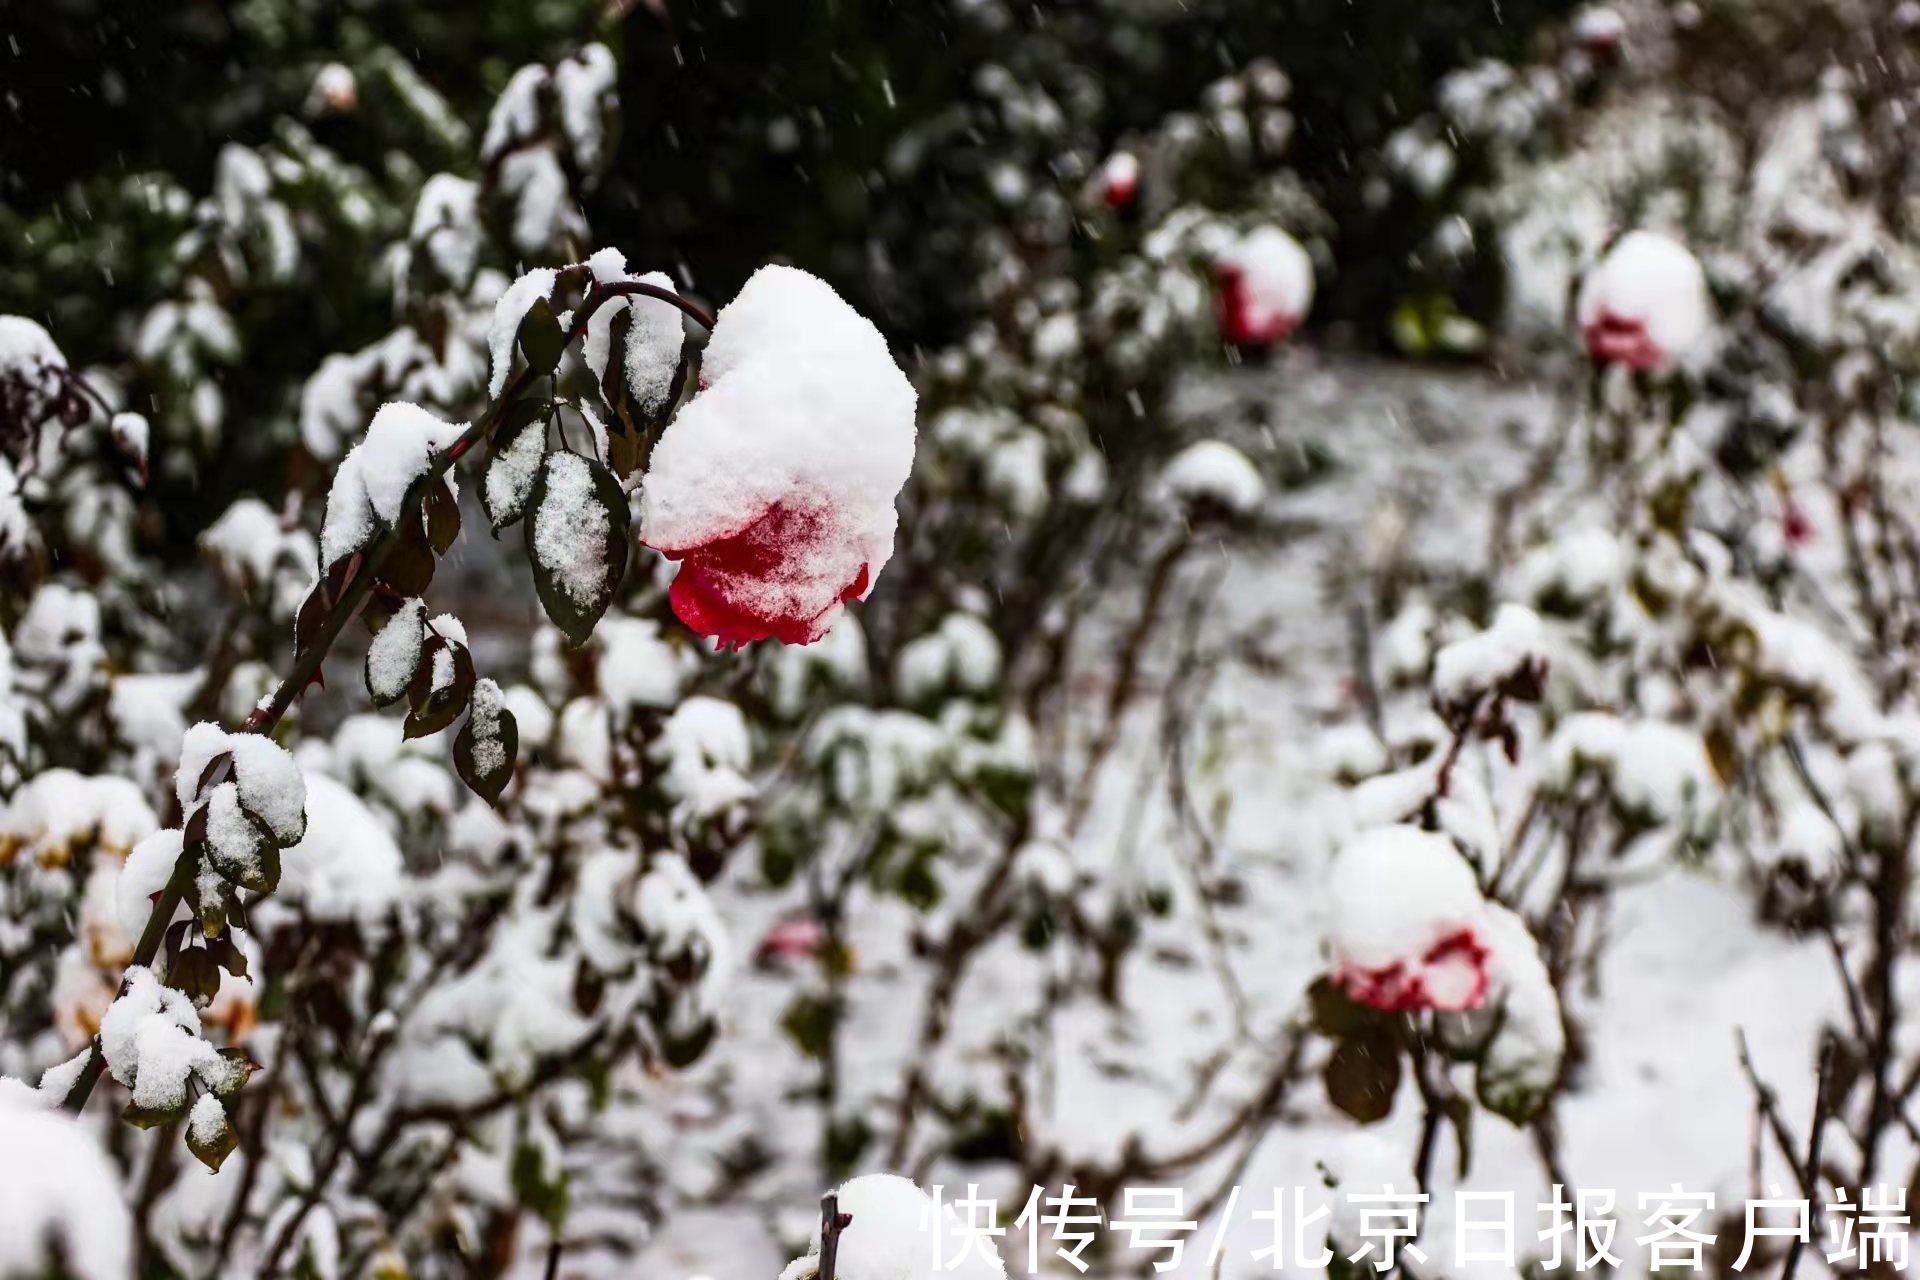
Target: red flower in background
point(1645, 304)
point(1120, 180)
point(1266, 286)
point(1243, 320)
point(1613, 339)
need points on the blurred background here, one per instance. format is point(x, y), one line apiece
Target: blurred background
point(1305, 447)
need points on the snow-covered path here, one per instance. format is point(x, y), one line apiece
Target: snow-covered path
point(1255, 662)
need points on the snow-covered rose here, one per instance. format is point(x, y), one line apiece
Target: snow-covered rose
point(1407, 927)
point(774, 487)
point(1266, 286)
point(1645, 305)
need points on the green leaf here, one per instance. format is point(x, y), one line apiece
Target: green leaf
point(227, 955)
point(408, 567)
point(194, 973)
point(1337, 1014)
point(435, 709)
point(212, 1148)
point(256, 867)
point(443, 517)
point(153, 1117)
point(387, 668)
point(488, 744)
point(236, 1079)
point(576, 541)
point(520, 441)
point(541, 338)
point(210, 899)
point(1362, 1075)
point(545, 1195)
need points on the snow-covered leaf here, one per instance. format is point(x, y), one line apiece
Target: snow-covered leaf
point(487, 745)
point(521, 440)
point(576, 541)
point(210, 1134)
point(394, 655)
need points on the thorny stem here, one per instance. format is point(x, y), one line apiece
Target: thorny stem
point(268, 714)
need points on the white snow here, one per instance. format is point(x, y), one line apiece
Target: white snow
point(58, 1190)
point(1212, 471)
point(144, 874)
point(151, 1039)
point(894, 1235)
point(29, 355)
point(571, 530)
point(637, 668)
point(708, 752)
point(59, 811)
point(961, 653)
point(511, 473)
point(584, 85)
point(348, 866)
point(655, 335)
point(516, 113)
point(370, 487)
point(394, 654)
point(1653, 768)
point(485, 706)
point(508, 313)
point(269, 782)
point(1468, 667)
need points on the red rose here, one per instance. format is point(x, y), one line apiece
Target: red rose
point(742, 587)
point(774, 486)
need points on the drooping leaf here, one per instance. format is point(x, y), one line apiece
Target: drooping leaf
point(194, 974)
point(541, 338)
point(408, 568)
point(1362, 1075)
point(210, 898)
point(243, 853)
point(393, 658)
point(241, 1070)
point(443, 516)
point(211, 1143)
point(576, 533)
point(521, 440)
point(485, 749)
point(440, 690)
point(153, 1117)
point(227, 955)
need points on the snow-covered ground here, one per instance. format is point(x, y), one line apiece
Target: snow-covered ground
point(1412, 457)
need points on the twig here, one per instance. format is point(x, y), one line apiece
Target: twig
point(1821, 1101)
point(832, 1223)
point(267, 716)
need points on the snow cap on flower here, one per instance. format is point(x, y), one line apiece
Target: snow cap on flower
point(774, 487)
point(1645, 305)
point(1266, 286)
point(1407, 929)
point(893, 1235)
